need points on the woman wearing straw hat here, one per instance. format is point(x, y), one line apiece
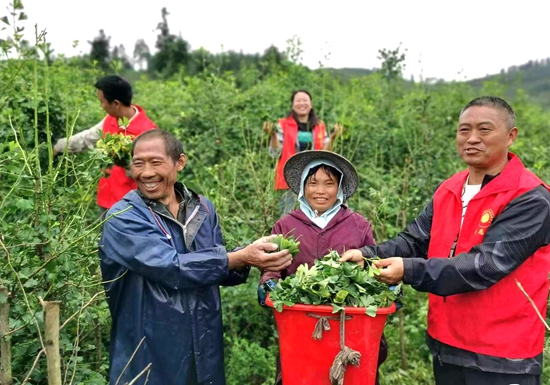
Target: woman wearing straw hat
point(300, 130)
point(323, 181)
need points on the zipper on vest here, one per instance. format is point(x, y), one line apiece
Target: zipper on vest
point(453, 247)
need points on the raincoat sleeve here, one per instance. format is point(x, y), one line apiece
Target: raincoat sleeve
point(136, 243)
point(234, 277)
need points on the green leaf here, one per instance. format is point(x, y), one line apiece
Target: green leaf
point(371, 311)
point(336, 308)
point(5, 20)
point(24, 204)
point(341, 296)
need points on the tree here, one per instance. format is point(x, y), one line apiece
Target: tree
point(142, 55)
point(120, 58)
point(173, 51)
point(100, 51)
point(271, 60)
point(392, 63)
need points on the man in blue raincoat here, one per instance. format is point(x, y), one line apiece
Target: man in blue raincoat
point(162, 260)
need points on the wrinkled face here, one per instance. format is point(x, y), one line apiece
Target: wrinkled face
point(301, 104)
point(483, 137)
point(321, 191)
point(154, 171)
point(111, 108)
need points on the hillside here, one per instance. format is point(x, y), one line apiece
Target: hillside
point(533, 77)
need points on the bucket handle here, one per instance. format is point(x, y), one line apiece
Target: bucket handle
point(323, 324)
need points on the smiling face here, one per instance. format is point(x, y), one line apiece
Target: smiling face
point(154, 171)
point(321, 190)
point(301, 104)
point(483, 138)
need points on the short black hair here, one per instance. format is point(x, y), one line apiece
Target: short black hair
point(494, 102)
point(115, 88)
point(174, 148)
point(331, 171)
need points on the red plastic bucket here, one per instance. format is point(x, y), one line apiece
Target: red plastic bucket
point(306, 361)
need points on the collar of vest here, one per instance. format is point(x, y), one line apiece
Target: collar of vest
point(507, 179)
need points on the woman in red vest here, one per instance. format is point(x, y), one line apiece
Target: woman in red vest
point(300, 130)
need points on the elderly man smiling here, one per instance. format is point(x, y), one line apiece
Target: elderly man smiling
point(163, 260)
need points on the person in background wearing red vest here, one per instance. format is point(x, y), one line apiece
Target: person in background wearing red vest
point(485, 230)
point(115, 96)
point(300, 130)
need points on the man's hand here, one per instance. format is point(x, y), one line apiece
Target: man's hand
point(260, 254)
point(353, 255)
point(268, 128)
point(392, 270)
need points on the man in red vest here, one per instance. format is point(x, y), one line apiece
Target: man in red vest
point(115, 96)
point(485, 231)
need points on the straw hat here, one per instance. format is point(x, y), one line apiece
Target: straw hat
point(296, 164)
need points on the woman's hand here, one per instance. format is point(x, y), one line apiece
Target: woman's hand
point(338, 130)
point(268, 128)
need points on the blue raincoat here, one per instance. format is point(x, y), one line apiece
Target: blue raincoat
point(162, 280)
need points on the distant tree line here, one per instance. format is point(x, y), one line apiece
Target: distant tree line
point(173, 54)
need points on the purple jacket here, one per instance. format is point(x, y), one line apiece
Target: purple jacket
point(347, 230)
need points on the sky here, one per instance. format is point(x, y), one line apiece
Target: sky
point(444, 39)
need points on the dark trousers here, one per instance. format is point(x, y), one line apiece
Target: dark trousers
point(448, 374)
point(382, 356)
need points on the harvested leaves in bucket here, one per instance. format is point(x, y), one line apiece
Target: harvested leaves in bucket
point(288, 243)
point(339, 284)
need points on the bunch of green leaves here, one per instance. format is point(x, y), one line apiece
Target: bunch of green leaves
point(339, 284)
point(287, 242)
point(116, 149)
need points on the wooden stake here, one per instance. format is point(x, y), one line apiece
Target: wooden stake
point(5, 337)
point(51, 340)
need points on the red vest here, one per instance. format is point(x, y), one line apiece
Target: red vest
point(290, 136)
point(498, 321)
point(113, 187)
